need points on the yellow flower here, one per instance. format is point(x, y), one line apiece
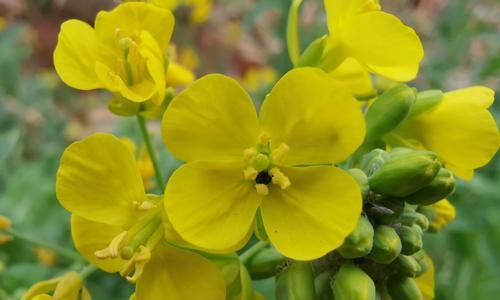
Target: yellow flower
point(460, 129)
point(379, 41)
point(239, 163)
point(443, 212)
point(144, 163)
point(124, 53)
point(200, 10)
point(354, 77)
point(119, 228)
point(5, 223)
point(426, 281)
point(178, 74)
point(67, 287)
point(257, 78)
point(3, 23)
point(45, 256)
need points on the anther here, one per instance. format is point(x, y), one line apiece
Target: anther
point(279, 178)
point(262, 189)
point(264, 138)
point(145, 205)
point(250, 173)
point(136, 264)
point(113, 249)
point(249, 154)
point(279, 154)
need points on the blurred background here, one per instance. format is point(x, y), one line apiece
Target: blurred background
point(40, 116)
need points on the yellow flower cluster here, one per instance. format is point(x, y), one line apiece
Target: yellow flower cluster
point(275, 172)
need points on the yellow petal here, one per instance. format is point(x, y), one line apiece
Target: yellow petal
point(336, 10)
point(211, 205)
point(176, 274)
point(139, 92)
point(178, 75)
point(133, 17)
point(75, 55)
point(98, 180)
point(212, 119)
point(89, 237)
point(382, 43)
point(314, 215)
point(426, 281)
point(168, 4)
point(459, 129)
point(474, 95)
point(354, 76)
point(319, 120)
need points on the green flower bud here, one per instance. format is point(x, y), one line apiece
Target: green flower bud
point(296, 283)
point(403, 288)
point(360, 242)
point(422, 221)
point(263, 264)
point(388, 111)
point(426, 100)
point(406, 265)
point(373, 160)
point(386, 211)
point(123, 107)
point(411, 218)
point(411, 239)
point(353, 283)
point(420, 258)
point(405, 174)
point(311, 57)
point(322, 286)
point(361, 179)
point(386, 245)
point(439, 188)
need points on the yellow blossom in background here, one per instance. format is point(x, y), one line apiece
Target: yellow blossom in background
point(124, 53)
point(257, 78)
point(355, 78)
point(119, 228)
point(459, 128)
point(200, 10)
point(144, 162)
point(426, 281)
point(67, 287)
point(5, 223)
point(189, 58)
point(178, 74)
point(377, 40)
point(239, 163)
point(45, 256)
point(443, 212)
point(3, 23)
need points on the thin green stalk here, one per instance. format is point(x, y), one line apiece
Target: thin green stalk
point(152, 155)
point(245, 257)
point(33, 240)
point(87, 271)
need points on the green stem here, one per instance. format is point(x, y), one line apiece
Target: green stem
point(58, 249)
point(245, 257)
point(152, 155)
point(87, 271)
point(292, 32)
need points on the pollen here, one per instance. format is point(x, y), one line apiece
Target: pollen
point(262, 189)
point(113, 249)
point(279, 154)
point(250, 173)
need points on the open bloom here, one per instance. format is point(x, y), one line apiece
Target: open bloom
point(124, 53)
point(66, 287)
point(119, 228)
point(239, 163)
point(440, 214)
point(378, 41)
point(459, 129)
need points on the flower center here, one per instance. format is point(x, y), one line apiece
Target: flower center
point(133, 64)
point(263, 164)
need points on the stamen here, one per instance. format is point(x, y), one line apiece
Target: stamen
point(136, 264)
point(250, 173)
point(262, 189)
point(264, 138)
point(249, 154)
point(279, 178)
point(279, 154)
point(146, 205)
point(113, 249)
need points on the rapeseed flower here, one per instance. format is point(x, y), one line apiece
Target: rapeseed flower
point(119, 228)
point(377, 40)
point(459, 129)
point(66, 287)
point(124, 53)
point(239, 163)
